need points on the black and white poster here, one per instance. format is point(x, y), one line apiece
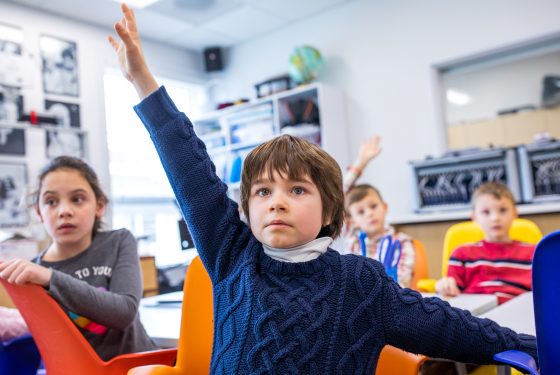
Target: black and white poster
point(67, 114)
point(12, 141)
point(65, 142)
point(11, 105)
point(60, 66)
point(12, 189)
point(11, 38)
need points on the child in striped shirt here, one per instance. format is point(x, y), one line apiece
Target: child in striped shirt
point(496, 265)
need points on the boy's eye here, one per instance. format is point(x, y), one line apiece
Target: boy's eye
point(298, 190)
point(262, 192)
point(50, 202)
point(373, 206)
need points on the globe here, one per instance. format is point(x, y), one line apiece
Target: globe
point(306, 63)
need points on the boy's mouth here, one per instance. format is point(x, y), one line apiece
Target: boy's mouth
point(277, 223)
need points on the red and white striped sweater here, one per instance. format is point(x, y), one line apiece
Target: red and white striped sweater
point(503, 269)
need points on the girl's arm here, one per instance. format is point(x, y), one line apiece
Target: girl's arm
point(116, 307)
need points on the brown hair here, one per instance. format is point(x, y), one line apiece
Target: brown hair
point(295, 157)
point(496, 189)
point(72, 163)
point(358, 192)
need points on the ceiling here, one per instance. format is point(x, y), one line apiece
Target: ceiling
point(193, 24)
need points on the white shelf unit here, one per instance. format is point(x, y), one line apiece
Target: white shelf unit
point(313, 111)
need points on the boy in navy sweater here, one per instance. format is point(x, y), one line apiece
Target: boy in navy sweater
point(284, 302)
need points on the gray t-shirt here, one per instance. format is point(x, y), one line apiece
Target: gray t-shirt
point(103, 284)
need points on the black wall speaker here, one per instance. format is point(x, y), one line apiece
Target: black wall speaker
point(213, 59)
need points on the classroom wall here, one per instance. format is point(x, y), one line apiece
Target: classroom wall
point(380, 54)
point(95, 55)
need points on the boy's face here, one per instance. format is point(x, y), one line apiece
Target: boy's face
point(494, 216)
point(285, 213)
point(368, 214)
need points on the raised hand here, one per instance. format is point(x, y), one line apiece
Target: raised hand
point(21, 271)
point(129, 52)
point(370, 148)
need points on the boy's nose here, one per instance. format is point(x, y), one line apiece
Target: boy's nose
point(278, 203)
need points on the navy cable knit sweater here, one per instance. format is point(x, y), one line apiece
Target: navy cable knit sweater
point(330, 315)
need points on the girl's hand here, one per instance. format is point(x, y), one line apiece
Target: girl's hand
point(19, 271)
point(129, 52)
point(447, 286)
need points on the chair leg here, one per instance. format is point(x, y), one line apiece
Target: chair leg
point(504, 370)
point(461, 368)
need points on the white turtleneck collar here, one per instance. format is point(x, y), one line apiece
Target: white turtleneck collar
point(301, 253)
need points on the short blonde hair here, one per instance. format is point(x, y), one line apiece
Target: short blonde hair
point(294, 157)
point(496, 189)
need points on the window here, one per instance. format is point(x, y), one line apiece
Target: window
point(141, 198)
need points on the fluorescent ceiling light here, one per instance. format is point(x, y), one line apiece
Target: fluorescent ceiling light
point(457, 97)
point(138, 4)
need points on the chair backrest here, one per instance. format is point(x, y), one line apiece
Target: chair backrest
point(546, 284)
point(61, 344)
point(420, 263)
point(197, 321)
point(19, 356)
point(468, 232)
point(396, 361)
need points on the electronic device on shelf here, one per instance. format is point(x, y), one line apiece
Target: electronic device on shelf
point(447, 183)
point(539, 165)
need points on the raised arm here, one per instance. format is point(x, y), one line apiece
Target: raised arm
point(369, 150)
point(131, 58)
point(212, 217)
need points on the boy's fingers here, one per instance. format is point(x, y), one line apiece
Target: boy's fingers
point(113, 42)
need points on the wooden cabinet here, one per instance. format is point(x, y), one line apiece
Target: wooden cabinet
point(508, 130)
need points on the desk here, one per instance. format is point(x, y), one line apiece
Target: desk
point(475, 303)
point(517, 314)
point(161, 316)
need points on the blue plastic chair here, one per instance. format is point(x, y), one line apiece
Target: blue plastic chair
point(19, 356)
point(546, 283)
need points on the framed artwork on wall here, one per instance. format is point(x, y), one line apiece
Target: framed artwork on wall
point(59, 66)
point(11, 38)
point(13, 180)
point(67, 114)
point(65, 142)
point(12, 141)
point(11, 105)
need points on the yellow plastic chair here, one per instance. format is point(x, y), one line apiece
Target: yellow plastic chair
point(197, 327)
point(469, 232)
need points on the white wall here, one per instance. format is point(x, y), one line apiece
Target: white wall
point(95, 55)
point(380, 53)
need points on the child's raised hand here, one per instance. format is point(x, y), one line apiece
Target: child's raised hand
point(131, 58)
point(447, 286)
point(19, 271)
point(370, 149)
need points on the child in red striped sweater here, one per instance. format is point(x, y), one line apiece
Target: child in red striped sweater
point(496, 265)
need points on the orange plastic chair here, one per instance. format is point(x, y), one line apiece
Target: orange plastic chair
point(64, 350)
point(468, 232)
point(420, 263)
point(197, 327)
point(397, 361)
